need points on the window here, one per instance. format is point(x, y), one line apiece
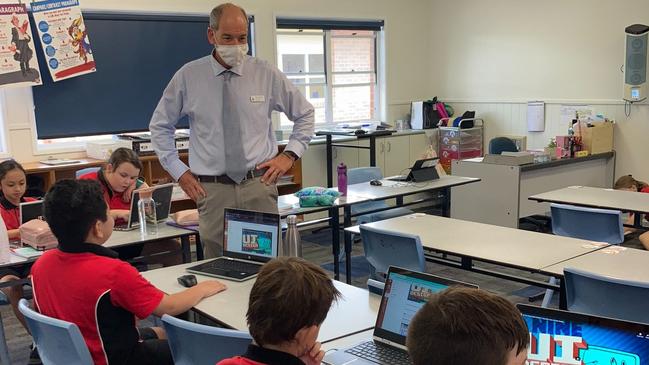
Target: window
point(334, 65)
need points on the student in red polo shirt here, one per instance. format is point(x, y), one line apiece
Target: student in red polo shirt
point(13, 184)
point(84, 283)
point(118, 178)
point(633, 235)
point(288, 302)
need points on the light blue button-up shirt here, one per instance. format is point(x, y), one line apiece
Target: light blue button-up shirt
point(195, 91)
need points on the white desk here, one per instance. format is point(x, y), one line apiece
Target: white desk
point(501, 197)
point(355, 312)
point(599, 198)
point(615, 262)
point(515, 248)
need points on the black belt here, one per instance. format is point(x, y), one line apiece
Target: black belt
point(225, 179)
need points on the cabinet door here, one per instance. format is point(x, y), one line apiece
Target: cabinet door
point(314, 166)
point(418, 146)
point(397, 155)
point(364, 155)
point(349, 156)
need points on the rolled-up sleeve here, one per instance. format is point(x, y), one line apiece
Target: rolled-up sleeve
point(163, 127)
point(289, 100)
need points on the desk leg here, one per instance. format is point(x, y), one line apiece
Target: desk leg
point(335, 239)
point(348, 243)
point(399, 200)
point(563, 301)
point(446, 204)
point(200, 255)
point(372, 151)
point(329, 162)
point(637, 220)
point(187, 253)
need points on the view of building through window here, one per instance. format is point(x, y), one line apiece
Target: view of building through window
point(334, 69)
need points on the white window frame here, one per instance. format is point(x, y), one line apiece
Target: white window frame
point(378, 112)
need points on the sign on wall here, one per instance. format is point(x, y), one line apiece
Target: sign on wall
point(64, 38)
point(18, 66)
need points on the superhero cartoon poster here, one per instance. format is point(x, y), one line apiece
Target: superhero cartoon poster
point(573, 343)
point(18, 66)
point(64, 38)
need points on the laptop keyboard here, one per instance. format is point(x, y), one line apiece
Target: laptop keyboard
point(232, 265)
point(380, 354)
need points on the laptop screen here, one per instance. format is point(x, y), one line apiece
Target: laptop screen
point(559, 337)
point(250, 235)
point(405, 292)
point(31, 210)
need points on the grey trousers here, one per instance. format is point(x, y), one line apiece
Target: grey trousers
point(250, 194)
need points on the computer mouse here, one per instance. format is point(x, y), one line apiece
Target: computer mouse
point(376, 182)
point(187, 280)
point(360, 132)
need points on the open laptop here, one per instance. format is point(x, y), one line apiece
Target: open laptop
point(405, 292)
point(250, 239)
point(30, 210)
point(421, 170)
point(560, 337)
point(161, 196)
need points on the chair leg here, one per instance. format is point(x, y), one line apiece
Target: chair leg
point(4, 350)
point(549, 293)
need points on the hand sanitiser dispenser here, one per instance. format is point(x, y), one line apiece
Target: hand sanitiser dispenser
point(635, 63)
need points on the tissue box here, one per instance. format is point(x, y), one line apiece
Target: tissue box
point(102, 150)
point(598, 138)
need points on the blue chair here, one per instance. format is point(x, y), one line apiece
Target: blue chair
point(365, 174)
point(197, 344)
point(385, 248)
point(591, 224)
point(87, 170)
point(623, 299)
point(499, 145)
point(4, 350)
point(57, 341)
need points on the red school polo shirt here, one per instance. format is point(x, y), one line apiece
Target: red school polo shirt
point(114, 199)
point(11, 213)
point(88, 286)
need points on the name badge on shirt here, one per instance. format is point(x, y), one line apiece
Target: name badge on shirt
point(257, 98)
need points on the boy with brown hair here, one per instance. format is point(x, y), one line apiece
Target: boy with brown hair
point(288, 303)
point(467, 326)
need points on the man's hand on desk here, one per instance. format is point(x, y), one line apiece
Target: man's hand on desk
point(276, 168)
point(191, 186)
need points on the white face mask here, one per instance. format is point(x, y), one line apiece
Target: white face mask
point(232, 55)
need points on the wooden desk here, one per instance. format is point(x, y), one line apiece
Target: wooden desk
point(355, 312)
point(501, 197)
point(586, 196)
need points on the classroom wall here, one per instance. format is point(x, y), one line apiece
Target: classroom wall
point(494, 56)
point(407, 56)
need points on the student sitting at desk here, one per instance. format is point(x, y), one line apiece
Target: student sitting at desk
point(288, 303)
point(84, 283)
point(467, 326)
point(13, 184)
point(632, 236)
point(118, 179)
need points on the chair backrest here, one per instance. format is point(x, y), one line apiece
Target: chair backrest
point(499, 145)
point(87, 170)
point(601, 225)
point(590, 293)
point(57, 341)
point(362, 175)
point(197, 344)
point(385, 248)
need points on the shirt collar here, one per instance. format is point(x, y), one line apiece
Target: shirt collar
point(7, 204)
point(218, 68)
point(89, 248)
point(271, 357)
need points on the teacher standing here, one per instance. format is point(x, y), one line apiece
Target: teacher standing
point(228, 98)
